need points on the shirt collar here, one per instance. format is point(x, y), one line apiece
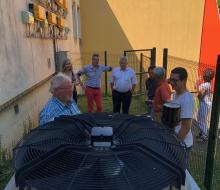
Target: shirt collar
point(162, 82)
point(60, 102)
point(94, 67)
point(123, 70)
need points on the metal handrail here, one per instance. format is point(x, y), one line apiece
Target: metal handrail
point(24, 93)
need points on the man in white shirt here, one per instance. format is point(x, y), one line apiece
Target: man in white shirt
point(184, 98)
point(123, 81)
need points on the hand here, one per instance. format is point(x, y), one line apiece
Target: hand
point(82, 85)
point(110, 69)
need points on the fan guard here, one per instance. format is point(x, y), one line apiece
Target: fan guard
point(143, 154)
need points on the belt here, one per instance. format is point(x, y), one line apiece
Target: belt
point(122, 92)
point(93, 87)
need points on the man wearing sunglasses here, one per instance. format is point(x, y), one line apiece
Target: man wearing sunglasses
point(62, 102)
point(184, 98)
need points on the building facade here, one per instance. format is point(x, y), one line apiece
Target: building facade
point(115, 26)
point(32, 32)
point(31, 43)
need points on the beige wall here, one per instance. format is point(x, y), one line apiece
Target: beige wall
point(24, 63)
point(115, 25)
point(12, 125)
point(23, 60)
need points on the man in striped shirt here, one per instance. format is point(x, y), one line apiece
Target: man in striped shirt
point(92, 85)
point(61, 102)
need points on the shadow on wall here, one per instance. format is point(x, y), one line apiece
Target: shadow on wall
point(102, 31)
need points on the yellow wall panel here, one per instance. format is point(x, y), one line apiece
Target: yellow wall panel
point(116, 25)
point(52, 18)
point(60, 22)
point(39, 12)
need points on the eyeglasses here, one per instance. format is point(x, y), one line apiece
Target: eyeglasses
point(65, 88)
point(173, 80)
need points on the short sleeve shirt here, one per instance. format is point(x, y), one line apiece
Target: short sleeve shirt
point(93, 74)
point(206, 86)
point(186, 102)
point(162, 94)
point(123, 80)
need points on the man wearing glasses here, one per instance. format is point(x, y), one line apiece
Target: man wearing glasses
point(61, 102)
point(184, 98)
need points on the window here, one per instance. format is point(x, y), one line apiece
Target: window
point(76, 19)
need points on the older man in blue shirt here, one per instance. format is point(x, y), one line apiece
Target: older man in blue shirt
point(61, 102)
point(92, 85)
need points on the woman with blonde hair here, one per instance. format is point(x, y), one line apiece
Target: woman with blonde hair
point(67, 69)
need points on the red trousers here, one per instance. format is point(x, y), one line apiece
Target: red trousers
point(94, 95)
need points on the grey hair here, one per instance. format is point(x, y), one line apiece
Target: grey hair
point(123, 58)
point(58, 80)
point(159, 72)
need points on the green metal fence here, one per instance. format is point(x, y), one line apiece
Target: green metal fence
point(204, 161)
point(139, 60)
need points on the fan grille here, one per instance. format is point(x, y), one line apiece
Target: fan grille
point(144, 155)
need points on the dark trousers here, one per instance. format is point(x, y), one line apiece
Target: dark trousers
point(121, 98)
point(75, 96)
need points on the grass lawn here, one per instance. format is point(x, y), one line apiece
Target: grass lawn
point(6, 170)
point(137, 105)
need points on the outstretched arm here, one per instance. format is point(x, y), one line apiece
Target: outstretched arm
point(78, 75)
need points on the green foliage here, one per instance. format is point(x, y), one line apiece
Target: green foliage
point(6, 166)
point(27, 126)
point(6, 163)
point(137, 104)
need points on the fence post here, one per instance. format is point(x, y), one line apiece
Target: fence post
point(141, 70)
point(165, 58)
point(213, 130)
point(153, 57)
point(124, 53)
point(106, 74)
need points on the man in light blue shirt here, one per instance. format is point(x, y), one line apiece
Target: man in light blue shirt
point(61, 102)
point(123, 81)
point(92, 85)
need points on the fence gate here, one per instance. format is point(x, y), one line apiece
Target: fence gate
point(140, 60)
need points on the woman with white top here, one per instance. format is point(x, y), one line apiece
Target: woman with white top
point(205, 103)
